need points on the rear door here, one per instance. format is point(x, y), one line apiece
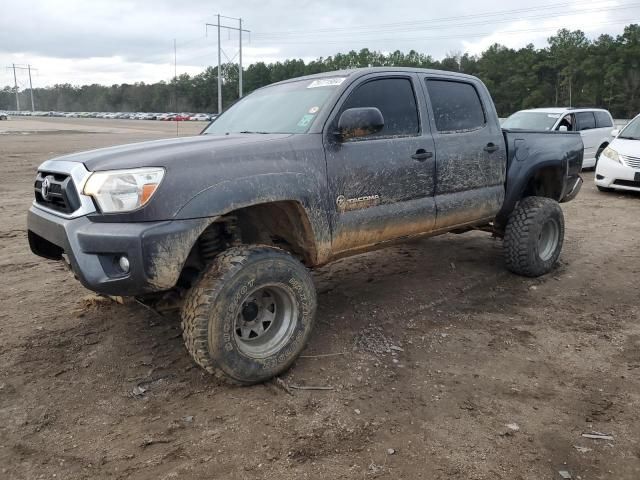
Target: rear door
point(586, 123)
point(470, 151)
point(381, 185)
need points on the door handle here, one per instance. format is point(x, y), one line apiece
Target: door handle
point(421, 155)
point(491, 148)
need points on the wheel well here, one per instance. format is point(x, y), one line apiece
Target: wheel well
point(546, 182)
point(281, 224)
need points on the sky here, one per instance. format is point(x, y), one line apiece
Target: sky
point(125, 41)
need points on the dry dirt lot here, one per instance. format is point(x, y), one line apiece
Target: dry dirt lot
point(432, 349)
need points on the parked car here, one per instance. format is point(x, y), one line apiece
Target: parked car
point(619, 165)
point(225, 225)
point(594, 125)
point(4, 116)
point(200, 117)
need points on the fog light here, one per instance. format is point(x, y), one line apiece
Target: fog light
point(123, 263)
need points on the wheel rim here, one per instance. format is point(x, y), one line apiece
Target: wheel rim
point(548, 239)
point(265, 321)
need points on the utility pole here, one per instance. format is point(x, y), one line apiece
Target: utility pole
point(219, 70)
point(175, 75)
point(33, 108)
point(15, 82)
point(240, 58)
point(15, 67)
point(175, 80)
point(239, 29)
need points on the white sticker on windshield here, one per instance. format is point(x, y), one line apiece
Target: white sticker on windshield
point(553, 115)
point(326, 82)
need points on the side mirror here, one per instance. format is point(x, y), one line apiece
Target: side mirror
point(615, 133)
point(359, 122)
point(563, 128)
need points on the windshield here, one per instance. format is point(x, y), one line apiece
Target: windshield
point(531, 121)
point(631, 131)
point(287, 108)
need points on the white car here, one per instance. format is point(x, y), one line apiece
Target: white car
point(619, 164)
point(594, 125)
point(201, 117)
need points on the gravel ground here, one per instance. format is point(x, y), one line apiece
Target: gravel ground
point(442, 365)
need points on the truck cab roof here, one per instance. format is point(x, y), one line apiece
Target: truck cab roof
point(359, 72)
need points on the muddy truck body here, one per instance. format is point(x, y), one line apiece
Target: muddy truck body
point(226, 225)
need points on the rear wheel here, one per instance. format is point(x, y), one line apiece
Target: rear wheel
point(534, 236)
point(250, 315)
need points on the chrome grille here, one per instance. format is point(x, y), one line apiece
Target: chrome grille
point(60, 194)
point(64, 195)
point(633, 162)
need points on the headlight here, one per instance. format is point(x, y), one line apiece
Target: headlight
point(123, 190)
point(611, 154)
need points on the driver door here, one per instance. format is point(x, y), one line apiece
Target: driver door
point(381, 186)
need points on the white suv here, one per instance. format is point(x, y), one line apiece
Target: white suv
point(594, 125)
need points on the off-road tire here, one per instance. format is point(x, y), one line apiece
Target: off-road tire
point(214, 303)
point(522, 240)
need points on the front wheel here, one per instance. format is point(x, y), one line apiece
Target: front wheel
point(250, 315)
point(534, 236)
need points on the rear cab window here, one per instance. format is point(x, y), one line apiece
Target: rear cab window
point(456, 106)
point(395, 99)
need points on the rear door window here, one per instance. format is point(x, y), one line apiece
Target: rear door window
point(603, 120)
point(396, 101)
point(586, 120)
point(456, 106)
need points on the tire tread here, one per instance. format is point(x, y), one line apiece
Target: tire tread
point(199, 301)
point(516, 239)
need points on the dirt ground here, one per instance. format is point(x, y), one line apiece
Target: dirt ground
point(441, 364)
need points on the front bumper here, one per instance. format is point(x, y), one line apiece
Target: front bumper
point(156, 251)
point(611, 174)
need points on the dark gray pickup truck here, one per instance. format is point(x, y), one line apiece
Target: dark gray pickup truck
point(227, 224)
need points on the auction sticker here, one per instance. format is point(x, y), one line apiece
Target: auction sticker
point(305, 120)
point(326, 82)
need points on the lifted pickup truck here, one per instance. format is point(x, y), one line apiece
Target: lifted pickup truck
point(227, 224)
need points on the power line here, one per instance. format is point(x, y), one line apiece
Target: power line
point(425, 22)
point(445, 37)
point(404, 28)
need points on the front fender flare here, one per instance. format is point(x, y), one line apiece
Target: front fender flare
point(229, 195)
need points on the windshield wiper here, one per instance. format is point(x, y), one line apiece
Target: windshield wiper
point(261, 133)
point(624, 137)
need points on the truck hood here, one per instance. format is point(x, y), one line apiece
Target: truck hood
point(169, 152)
point(628, 148)
point(206, 175)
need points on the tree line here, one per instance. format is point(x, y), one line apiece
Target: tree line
point(571, 70)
